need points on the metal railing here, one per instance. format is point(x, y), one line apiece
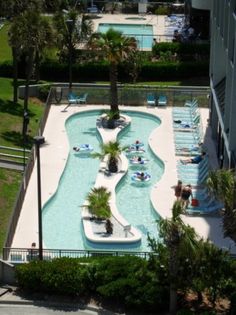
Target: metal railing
point(24, 184)
point(13, 155)
point(100, 94)
point(21, 255)
point(134, 95)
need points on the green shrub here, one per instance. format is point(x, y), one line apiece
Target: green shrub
point(129, 280)
point(61, 276)
point(43, 92)
point(6, 69)
point(176, 70)
point(162, 10)
point(182, 48)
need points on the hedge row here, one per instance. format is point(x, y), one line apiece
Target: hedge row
point(130, 280)
point(182, 48)
point(151, 71)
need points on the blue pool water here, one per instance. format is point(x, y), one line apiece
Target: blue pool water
point(143, 33)
point(62, 226)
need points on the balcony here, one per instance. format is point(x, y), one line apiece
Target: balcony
point(202, 4)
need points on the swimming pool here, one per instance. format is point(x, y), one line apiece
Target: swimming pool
point(142, 32)
point(62, 227)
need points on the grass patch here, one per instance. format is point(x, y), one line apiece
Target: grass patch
point(9, 186)
point(11, 117)
point(5, 49)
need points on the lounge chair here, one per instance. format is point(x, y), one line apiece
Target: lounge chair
point(74, 99)
point(151, 100)
point(162, 100)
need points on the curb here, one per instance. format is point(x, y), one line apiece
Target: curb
point(67, 305)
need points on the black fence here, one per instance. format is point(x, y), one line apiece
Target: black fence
point(132, 95)
point(24, 184)
point(21, 255)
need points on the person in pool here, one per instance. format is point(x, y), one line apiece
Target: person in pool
point(141, 176)
point(76, 149)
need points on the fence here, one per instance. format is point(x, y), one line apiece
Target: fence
point(20, 255)
point(25, 181)
point(97, 94)
point(133, 95)
point(14, 155)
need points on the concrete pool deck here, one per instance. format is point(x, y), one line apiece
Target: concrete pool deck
point(54, 154)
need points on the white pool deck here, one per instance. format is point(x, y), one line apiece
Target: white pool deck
point(54, 154)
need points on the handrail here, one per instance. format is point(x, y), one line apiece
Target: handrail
point(26, 177)
point(27, 254)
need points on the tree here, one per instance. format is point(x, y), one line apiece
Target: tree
point(112, 150)
point(179, 239)
point(98, 202)
point(72, 29)
point(34, 33)
point(222, 184)
point(114, 47)
point(13, 9)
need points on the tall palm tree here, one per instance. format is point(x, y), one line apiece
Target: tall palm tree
point(34, 33)
point(114, 47)
point(222, 184)
point(112, 150)
point(13, 9)
point(178, 239)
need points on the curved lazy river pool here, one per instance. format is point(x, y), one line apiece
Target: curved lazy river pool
point(62, 224)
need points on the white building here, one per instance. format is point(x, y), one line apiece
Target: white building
point(222, 76)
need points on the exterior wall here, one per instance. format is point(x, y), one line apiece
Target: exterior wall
point(202, 4)
point(7, 273)
point(223, 66)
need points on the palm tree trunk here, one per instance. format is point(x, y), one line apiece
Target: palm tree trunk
point(28, 77)
point(113, 89)
point(173, 270)
point(15, 75)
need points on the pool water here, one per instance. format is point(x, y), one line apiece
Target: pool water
point(62, 225)
point(142, 32)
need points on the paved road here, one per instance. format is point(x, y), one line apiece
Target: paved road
point(9, 309)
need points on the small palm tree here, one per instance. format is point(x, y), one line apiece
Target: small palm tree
point(98, 203)
point(114, 47)
point(112, 150)
point(222, 184)
point(178, 239)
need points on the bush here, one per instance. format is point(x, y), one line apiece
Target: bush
point(61, 276)
point(176, 70)
point(43, 92)
point(128, 280)
point(162, 10)
point(6, 69)
point(182, 48)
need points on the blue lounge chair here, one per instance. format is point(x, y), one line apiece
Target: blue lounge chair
point(74, 99)
point(162, 100)
point(151, 100)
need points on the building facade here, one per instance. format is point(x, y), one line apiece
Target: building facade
point(223, 80)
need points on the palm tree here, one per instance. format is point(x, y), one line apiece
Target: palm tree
point(178, 239)
point(13, 9)
point(222, 184)
point(34, 33)
point(98, 202)
point(72, 29)
point(115, 47)
point(112, 150)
